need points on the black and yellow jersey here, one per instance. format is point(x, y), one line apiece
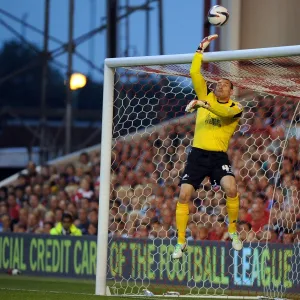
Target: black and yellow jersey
point(215, 125)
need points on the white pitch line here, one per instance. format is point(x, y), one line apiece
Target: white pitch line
point(125, 296)
point(43, 291)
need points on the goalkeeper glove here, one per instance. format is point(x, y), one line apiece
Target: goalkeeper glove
point(205, 42)
point(194, 104)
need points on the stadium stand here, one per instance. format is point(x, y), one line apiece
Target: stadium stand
point(145, 177)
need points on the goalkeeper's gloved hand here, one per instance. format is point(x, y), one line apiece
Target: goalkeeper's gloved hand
point(194, 104)
point(205, 42)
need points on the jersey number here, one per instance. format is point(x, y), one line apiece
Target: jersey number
point(227, 168)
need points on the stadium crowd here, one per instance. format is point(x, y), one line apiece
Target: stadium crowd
point(145, 177)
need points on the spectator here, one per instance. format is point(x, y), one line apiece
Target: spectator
point(31, 169)
point(19, 228)
point(21, 182)
point(47, 227)
point(94, 204)
point(258, 217)
point(84, 164)
point(142, 232)
point(218, 231)
point(297, 236)
point(245, 231)
point(84, 203)
point(33, 222)
point(45, 172)
point(58, 215)
point(71, 207)
point(66, 227)
point(71, 174)
point(46, 194)
point(3, 208)
point(49, 217)
point(23, 218)
point(93, 229)
point(5, 224)
point(268, 234)
point(287, 237)
point(243, 214)
point(202, 233)
point(93, 217)
point(13, 208)
point(84, 191)
point(82, 223)
point(20, 196)
point(262, 201)
point(28, 192)
point(35, 205)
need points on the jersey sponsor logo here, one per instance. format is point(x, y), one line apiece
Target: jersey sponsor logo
point(185, 177)
point(227, 168)
point(213, 121)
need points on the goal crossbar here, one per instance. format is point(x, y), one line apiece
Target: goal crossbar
point(207, 57)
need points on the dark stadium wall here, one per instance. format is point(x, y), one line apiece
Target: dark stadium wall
point(269, 23)
point(259, 24)
point(230, 33)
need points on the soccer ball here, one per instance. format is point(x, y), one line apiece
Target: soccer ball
point(218, 15)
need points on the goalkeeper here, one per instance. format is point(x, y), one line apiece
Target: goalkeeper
point(217, 119)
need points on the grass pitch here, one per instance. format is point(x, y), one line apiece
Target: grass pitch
point(37, 288)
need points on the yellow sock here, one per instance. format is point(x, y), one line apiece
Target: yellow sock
point(233, 205)
point(182, 217)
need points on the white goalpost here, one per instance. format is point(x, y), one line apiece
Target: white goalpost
point(145, 139)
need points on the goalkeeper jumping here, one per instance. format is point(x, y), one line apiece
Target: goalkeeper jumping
point(217, 119)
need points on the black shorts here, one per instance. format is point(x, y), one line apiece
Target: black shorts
point(202, 163)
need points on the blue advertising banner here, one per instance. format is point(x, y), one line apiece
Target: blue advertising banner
point(207, 264)
point(49, 255)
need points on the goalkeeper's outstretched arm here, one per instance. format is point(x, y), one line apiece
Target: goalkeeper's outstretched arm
point(199, 82)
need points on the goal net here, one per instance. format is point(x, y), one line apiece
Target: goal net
point(145, 141)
